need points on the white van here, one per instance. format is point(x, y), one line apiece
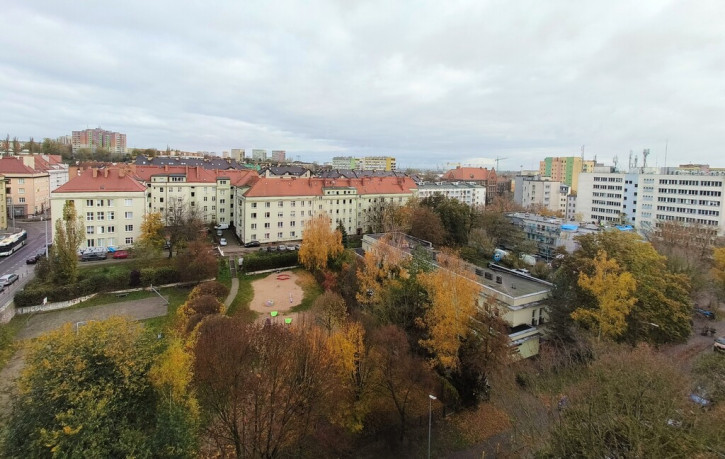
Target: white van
point(222, 226)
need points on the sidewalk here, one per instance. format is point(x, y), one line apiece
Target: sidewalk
point(232, 292)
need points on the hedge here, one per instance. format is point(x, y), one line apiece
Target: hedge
point(96, 283)
point(262, 260)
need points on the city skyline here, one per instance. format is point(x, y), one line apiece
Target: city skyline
point(428, 84)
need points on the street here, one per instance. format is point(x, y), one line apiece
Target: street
point(15, 263)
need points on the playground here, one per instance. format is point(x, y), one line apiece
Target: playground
point(275, 295)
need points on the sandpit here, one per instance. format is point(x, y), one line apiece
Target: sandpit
point(278, 292)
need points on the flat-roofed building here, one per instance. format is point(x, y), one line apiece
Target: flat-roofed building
point(467, 193)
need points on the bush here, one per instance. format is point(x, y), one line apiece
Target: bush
point(135, 278)
point(213, 288)
point(262, 260)
point(159, 276)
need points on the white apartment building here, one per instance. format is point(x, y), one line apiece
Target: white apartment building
point(110, 202)
point(275, 209)
point(471, 194)
point(643, 198)
point(532, 191)
point(259, 154)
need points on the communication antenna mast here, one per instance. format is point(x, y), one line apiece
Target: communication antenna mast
point(582, 152)
point(645, 154)
point(616, 161)
point(630, 158)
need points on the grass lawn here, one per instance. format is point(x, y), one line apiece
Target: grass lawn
point(8, 331)
point(240, 305)
point(311, 290)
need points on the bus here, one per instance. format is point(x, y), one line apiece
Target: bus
point(9, 244)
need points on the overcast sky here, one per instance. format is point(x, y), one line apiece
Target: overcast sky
point(429, 82)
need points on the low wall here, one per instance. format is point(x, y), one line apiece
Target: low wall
point(10, 312)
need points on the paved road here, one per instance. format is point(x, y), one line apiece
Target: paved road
point(40, 323)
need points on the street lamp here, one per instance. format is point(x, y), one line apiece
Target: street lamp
point(430, 418)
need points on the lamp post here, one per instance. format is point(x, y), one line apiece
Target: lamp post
point(46, 238)
point(430, 418)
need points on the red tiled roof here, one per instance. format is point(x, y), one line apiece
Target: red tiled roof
point(10, 165)
point(469, 173)
point(104, 180)
point(269, 187)
point(193, 174)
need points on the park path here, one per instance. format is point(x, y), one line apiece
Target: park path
point(232, 292)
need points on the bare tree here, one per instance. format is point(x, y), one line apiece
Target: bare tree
point(183, 225)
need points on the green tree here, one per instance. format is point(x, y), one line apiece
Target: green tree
point(661, 312)
point(455, 216)
point(16, 146)
point(6, 145)
point(69, 235)
point(426, 224)
point(630, 404)
point(343, 232)
point(86, 392)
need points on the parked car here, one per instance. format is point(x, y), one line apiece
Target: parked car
point(282, 248)
point(94, 256)
point(271, 248)
point(252, 244)
point(222, 241)
point(297, 247)
point(9, 279)
point(705, 313)
point(719, 344)
point(35, 258)
point(222, 226)
point(219, 232)
point(118, 254)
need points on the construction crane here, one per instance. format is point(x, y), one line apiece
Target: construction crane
point(497, 160)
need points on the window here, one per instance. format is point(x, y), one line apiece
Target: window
point(266, 235)
point(109, 202)
point(91, 243)
point(280, 225)
point(292, 214)
point(254, 205)
point(21, 200)
point(89, 216)
point(129, 240)
point(89, 202)
point(254, 226)
point(254, 237)
point(129, 228)
point(100, 216)
point(280, 203)
point(254, 214)
point(266, 215)
point(266, 225)
point(222, 201)
point(292, 234)
point(21, 181)
point(128, 215)
point(213, 207)
point(21, 190)
point(161, 199)
point(101, 229)
point(279, 235)
point(280, 214)
point(204, 208)
point(111, 215)
point(222, 210)
point(204, 198)
point(267, 204)
point(292, 223)
point(111, 229)
point(90, 230)
point(128, 202)
point(99, 203)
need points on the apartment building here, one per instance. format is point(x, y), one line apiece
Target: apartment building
point(92, 139)
point(110, 202)
point(344, 162)
point(207, 193)
point(537, 191)
point(275, 209)
point(3, 205)
point(646, 197)
point(279, 156)
point(565, 169)
point(27, 190)
point(377, 163)
point(238, 154)
point(519, 299)
point(259, 155)
point(468, 193)
point(476, 175)
point(52, 164)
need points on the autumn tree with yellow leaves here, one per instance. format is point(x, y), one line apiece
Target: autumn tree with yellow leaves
point(87, 391)
point(613, 289)
point(453, 298)
point(319, 243)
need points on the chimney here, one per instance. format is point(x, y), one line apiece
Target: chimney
point(166, 167)
point(95, 172)
point(121, 172)
point(105, 173)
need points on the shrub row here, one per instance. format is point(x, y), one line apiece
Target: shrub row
point(261, 261)
point(96, 283)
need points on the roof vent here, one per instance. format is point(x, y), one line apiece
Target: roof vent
point(499, 280)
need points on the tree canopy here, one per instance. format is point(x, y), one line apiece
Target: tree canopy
point(319, 243)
